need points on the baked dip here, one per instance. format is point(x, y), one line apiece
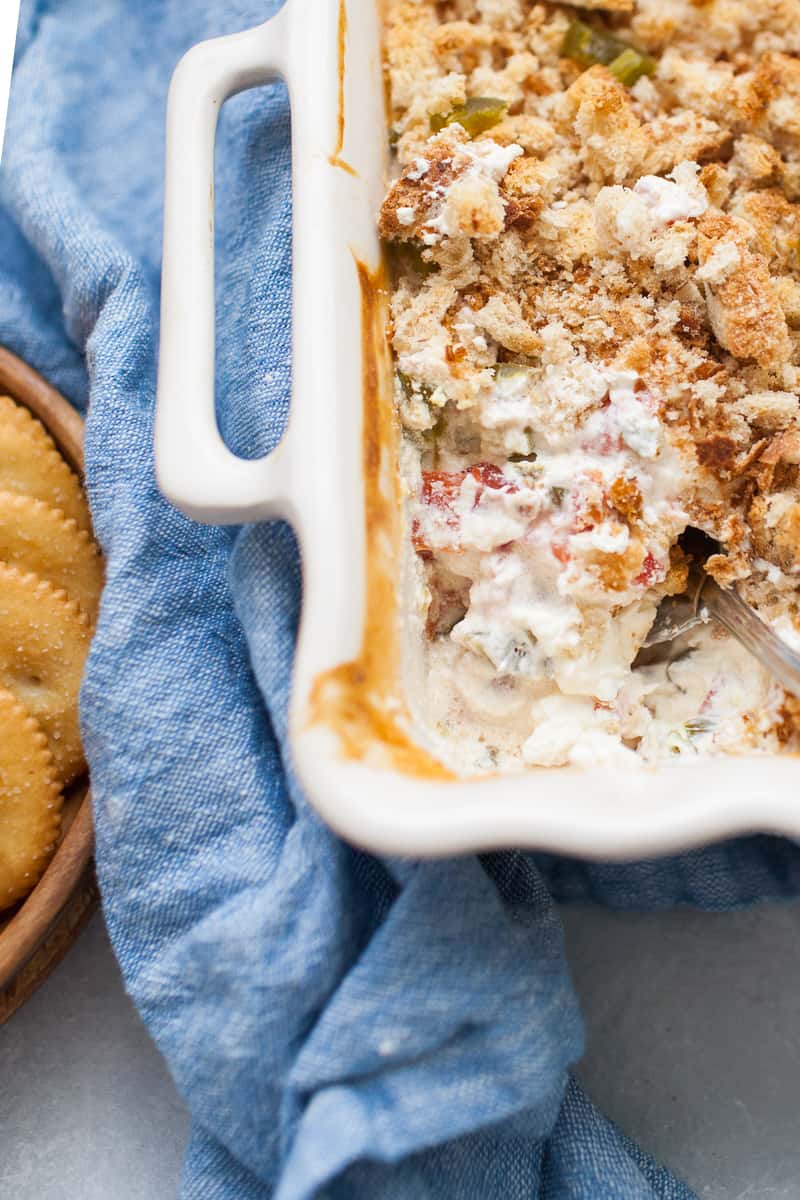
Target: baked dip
point(594, 231)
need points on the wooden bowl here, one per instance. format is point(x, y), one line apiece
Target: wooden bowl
point(36, 934)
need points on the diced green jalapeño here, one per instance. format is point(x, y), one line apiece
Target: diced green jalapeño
point(588, 46)
point(476, 115)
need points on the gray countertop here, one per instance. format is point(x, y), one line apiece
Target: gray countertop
point(693, 1026)
point(87, 1109)
point(693, 1040)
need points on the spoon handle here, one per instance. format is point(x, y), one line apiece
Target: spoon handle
point(738, 618)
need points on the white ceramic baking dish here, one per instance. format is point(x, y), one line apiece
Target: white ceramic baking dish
point(334, 478)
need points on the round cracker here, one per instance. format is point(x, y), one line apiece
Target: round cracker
point(39, 539)
point(30, 801)
point(44, 641)
point(30, 463)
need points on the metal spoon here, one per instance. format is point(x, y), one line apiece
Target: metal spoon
point(707, 601)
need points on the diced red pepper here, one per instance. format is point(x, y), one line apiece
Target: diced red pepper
point(604, 444)
point(440, 490)
point(651, 570)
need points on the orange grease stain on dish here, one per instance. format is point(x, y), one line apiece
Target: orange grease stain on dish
point(362, 701)
point(336, 159)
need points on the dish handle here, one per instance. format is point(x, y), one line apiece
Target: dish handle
point(195, 469)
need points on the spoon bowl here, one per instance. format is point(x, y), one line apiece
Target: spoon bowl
point(706, 601)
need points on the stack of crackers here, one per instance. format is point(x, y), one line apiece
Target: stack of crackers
point(51, 576)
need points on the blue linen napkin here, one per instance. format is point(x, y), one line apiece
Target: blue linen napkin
point(340, 1027)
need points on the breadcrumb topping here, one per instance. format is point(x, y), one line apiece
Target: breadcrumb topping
point(594, 227)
